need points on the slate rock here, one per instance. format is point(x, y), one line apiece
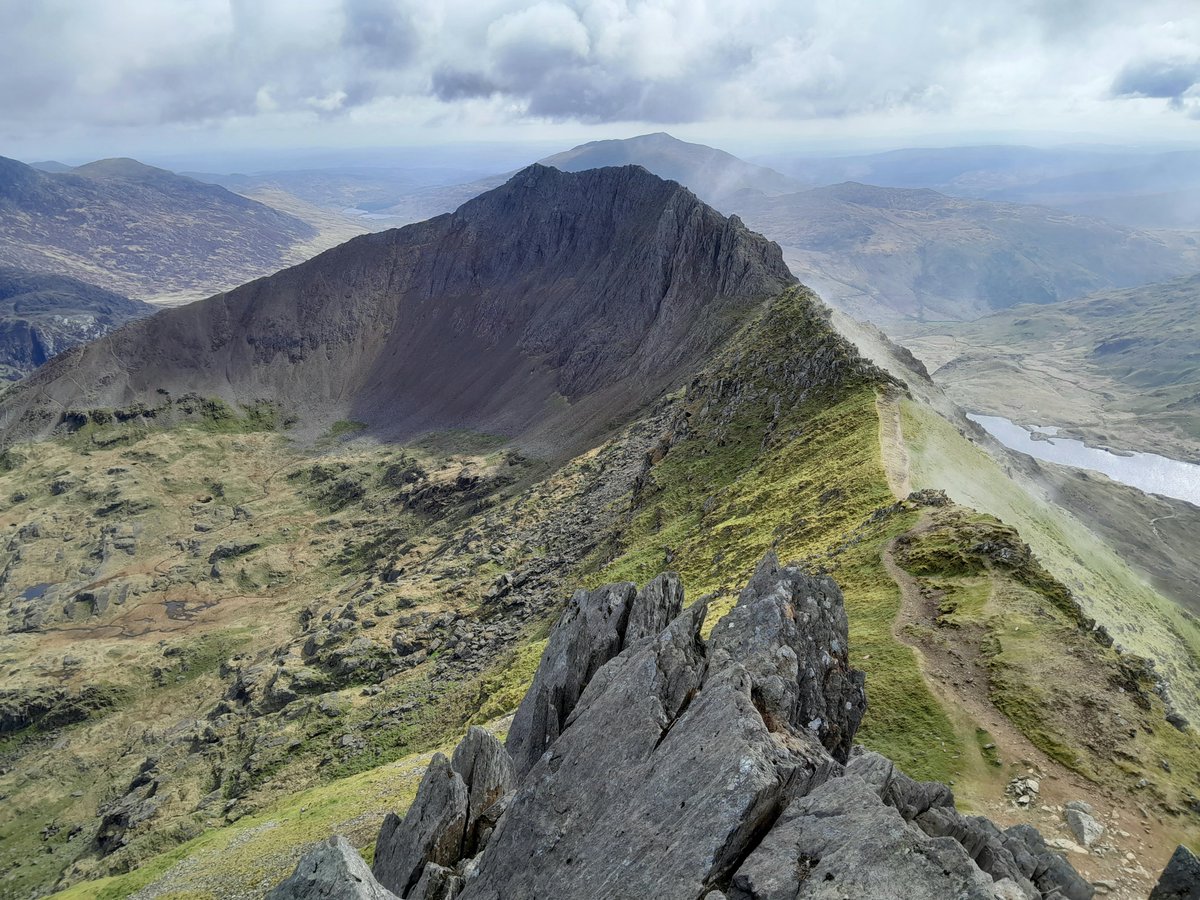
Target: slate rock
point(910, 798)
point(487, 770)
point(1180, 880)
point(790, 630)
point(589, 633)
point(843, 841)
point(431, 831)
point(436, 883)
point(332, 870)
point(654, 608)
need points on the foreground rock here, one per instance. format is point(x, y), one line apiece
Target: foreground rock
point(447, 816)
point(1180, 880)
point(332, 871)
point(658, 764)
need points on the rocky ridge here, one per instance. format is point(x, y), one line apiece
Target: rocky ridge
point(686, 767)
point(546, 308)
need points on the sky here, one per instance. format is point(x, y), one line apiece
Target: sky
point(215, 80)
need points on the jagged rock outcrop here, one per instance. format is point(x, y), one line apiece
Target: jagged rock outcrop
point(1180, 880)
point(789, 631)
point(689, 768)
point(332, 871)
point(447, 816)
point(601, 287)
point(595, 627)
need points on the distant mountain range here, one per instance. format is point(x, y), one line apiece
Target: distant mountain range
point(1141, 188)
point(885, 254)
point(140, 231)
point(536, 311)
point(1117, 367)
point(43, 315)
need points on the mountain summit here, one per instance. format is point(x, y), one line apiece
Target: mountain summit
point(551, 304)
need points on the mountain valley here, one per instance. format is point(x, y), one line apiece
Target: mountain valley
point(268, 551)
point(143, 232)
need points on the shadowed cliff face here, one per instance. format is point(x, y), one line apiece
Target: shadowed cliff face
point(42, 315)
point(543, 309)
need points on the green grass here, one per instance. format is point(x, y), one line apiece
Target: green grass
point(1138, 617)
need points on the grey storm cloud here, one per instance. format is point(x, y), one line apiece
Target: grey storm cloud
point(1163, 80)
point(150, 62)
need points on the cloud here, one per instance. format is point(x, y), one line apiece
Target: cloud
point(1176, 81)
point(185, 63)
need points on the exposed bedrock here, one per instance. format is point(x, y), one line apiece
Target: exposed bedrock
point(650, 762)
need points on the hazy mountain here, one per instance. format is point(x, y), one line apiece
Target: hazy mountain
point(494, 318)
point(43, 315)
point(1119, 367)
point(1141, 188)
point(366, 188)
point(712, 174)
point(889, 254)
point(50, 165)
point(886, 254)
point(138, 230)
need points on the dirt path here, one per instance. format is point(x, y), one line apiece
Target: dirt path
point(892, 449)
point(1138, 845)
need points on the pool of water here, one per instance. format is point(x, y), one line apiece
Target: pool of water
point(1145, 471)
point(37, 591)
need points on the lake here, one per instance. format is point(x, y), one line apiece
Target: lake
point(1147, 472)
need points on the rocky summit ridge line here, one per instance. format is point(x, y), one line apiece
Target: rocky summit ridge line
point(718, 769)
point(540, 310)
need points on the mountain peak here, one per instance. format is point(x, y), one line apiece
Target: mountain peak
point(121, 167)
point(721, 174)
point(541, 310)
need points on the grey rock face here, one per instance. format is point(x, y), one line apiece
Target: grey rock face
point(588, 634)
point(789, 630)
point(432, 830)
point(841, 841)
point(654, 608)
point(333, 870)
point(1180, 879)
point(487, 770)
point(436, 883)
point(593, 629)
point(451, 817)
point(686, 768)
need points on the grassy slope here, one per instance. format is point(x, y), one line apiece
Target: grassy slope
point(1137, 616)
point(1077, 699)
point(158, 674)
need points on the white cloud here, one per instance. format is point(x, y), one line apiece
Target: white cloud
point(152, 64)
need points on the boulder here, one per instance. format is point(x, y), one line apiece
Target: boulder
point(332, 870)
point(1180, 880)
point(1085, 828)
